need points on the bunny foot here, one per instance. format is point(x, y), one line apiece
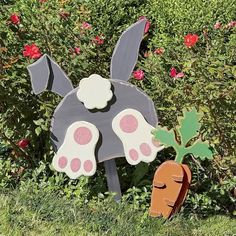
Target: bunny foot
point(135, 134)
point(76, 156)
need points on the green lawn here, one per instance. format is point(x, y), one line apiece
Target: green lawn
point(44, 213)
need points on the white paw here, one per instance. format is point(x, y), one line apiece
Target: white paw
point(135, 134)
point(76, 155)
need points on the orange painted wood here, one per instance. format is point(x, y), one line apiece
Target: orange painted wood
point(167, 185)
point(185, 188)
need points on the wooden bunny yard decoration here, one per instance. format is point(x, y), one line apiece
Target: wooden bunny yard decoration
point(102, 119)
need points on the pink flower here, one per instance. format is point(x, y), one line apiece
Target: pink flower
point(217, 25)
point(31, 51)
point(190, 40)
point(159, 51)
point(148, 23)
point(23, 143)
point(15, 19)
point(42, 1)
point(86, 25)
point(174, 74)
point(231, 24)
point(138, 74)
point(98, 40)
point(77, 50)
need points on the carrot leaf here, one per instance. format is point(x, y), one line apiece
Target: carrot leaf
point(165, 136)
point(189, 125)
point(188, 129)
point(201, 149)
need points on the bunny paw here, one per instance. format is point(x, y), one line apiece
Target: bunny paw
point(76, 155)
point(135, 134)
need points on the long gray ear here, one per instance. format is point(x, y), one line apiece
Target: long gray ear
point(45, 74)
point(125, 54)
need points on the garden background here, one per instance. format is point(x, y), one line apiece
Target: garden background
point(80, 36)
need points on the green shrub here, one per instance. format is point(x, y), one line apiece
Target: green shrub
point(208, 84)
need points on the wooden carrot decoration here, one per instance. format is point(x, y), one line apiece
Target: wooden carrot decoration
point(172, 179)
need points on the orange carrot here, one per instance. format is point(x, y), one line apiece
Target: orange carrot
point(172, 179)
point(167, 185)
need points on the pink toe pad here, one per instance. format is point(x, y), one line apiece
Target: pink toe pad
point(88, 166)
point(62, 162)
point(75, 164)
point(133, 154)
point(145, 149)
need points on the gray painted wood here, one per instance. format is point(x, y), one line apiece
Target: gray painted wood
point(109, 145)
point(113, 179)
point(125, 54)
point(45, 74)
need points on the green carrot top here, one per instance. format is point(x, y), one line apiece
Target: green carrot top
point(188, 129)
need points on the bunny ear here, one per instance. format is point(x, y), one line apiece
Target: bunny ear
point(125, 54)
point(45, 74)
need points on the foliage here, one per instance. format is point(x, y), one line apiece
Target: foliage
point(208, 84)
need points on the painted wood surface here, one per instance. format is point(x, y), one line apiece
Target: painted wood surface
point(95, 92)
point(167, 184)
point(76, 156)
point(125, 54)
point(109, 145)
point(136, 137)
point(45, 74)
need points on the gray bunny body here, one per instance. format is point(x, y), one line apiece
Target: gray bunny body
point(109, 146)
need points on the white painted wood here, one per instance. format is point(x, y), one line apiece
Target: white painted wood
point(133, 140)
point(72, 149)
point(95, 92)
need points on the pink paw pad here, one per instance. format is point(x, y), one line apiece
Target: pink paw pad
point(133, 154)
point(155, 143)
point(145, 149)
point(82, 135)
point(75, 164)
point(62, 162)
point(128, 124)
point(88, 166)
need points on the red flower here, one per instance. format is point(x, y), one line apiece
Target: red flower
point(138, 75)
point(15, 19)
point(23, 143)
point(190, 40)
point(159, 51)
point(86, 25)
point(231, 24)
point(174, 74)
point(148, 23)
point(31, 51)
point(217, 25)
point(77, 50)
point(98, 40)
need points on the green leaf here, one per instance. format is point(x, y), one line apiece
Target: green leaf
point(201, 149)
point(189, 125)
point(165, 136)
point(140, 171)
point(38, 130)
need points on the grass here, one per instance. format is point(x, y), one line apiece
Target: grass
point(42, 212)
